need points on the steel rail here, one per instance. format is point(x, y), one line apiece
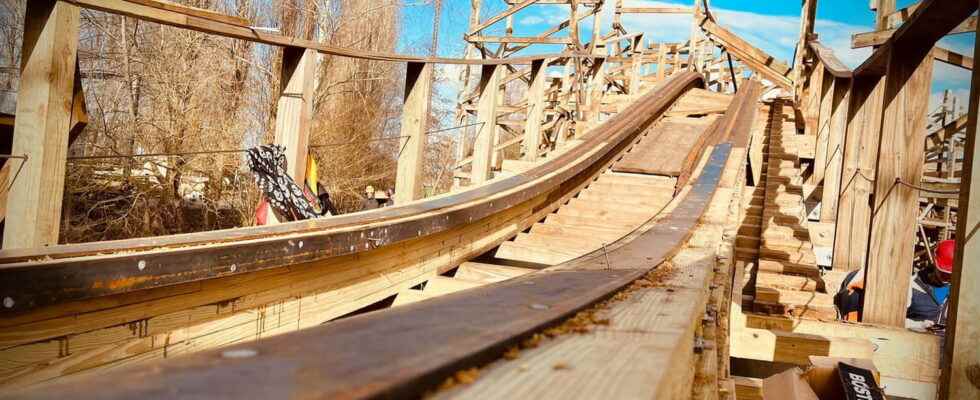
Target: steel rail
point(35, 278)
point(407, 351)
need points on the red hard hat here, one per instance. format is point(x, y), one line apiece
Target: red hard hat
point(944, 255)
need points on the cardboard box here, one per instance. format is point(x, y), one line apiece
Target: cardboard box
point(822, 380)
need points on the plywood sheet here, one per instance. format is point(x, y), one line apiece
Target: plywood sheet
point(664, 150)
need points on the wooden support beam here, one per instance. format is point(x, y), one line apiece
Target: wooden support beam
point(535, 110)
point(952, 58)
point(877, 38)
point(415, 118)
point(807, 19)
point(901, 150)
point(835, 150)
point(294, 116)
point(822, 127)
point(506, 13)
point(597, 80)
point(516, 39)
point(961, 361)
point(656, 10)
point(860, 154)
point(43, 120)
point(483, 148)
point(762, 63)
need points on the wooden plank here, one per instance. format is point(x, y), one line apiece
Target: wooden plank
point(44, 109)
point(833, 161)
point(535, 111)
point(865, 106)
point(519, 39)
point(656, 10)
point(825, 104)
point(194, 11)
point(294, 118)
point(877, 38)
point(952, 58)
point(747, 388)
point(650, 156)
point(408, 297)
point(756, 59)
point(961, 362)
point(441, 285)
point(930, 22)
point(504, 14)
point(488, 273)
point(415, 123)
point(483, 148)
point(901, 151)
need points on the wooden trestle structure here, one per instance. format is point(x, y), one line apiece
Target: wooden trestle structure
point(650, 239)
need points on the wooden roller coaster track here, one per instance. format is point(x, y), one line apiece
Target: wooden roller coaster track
point(654, 235)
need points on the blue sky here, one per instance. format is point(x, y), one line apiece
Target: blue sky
point(770, 25)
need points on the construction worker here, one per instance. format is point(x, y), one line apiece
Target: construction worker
point(930, 290)
point(926, 305)
point(369, 202)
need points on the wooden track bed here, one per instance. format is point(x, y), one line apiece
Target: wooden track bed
point(259, 282)
point(408, 350)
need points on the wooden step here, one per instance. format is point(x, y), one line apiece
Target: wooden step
point(746, 241)
point(626, 217)
point(605, 234)
point(813, 305)
point(408, 296)
point(646, 210)
point(532, 254)
point(630, 189)
point(441, 285)
point(788, 267)
point(638, 179)
point(651, 200)
point(488, 273)
point(589, 222)
point(795, 256)
point(557, 241)
point(789, 282)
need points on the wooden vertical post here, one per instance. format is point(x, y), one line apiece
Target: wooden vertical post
point(661, 62)
point(415, 116)
point(487, 116)
point(824, 105)
point(636, 63)
point(961, 356)
point(535, 110)
point(593, 98)
point(294, 117)
point(860, 147)
point(835, 150)
point(695, 38)
point(44, 110)
point(807, 18)
point(901, 150)
point(811, 106)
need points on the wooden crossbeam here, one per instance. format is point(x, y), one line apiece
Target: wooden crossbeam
point(753, 57)
point(193, 11)
point(656, 10)
point(506, 13)
point(877, 38)
point(952, 58)
point(518, 39)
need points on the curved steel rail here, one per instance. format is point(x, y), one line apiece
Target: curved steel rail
point(404, 352)
point(33, 278)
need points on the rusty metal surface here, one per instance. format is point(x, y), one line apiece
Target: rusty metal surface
point(40, 277)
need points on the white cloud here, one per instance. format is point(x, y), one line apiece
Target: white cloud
point(531, 20)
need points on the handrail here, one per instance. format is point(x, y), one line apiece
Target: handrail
point(830, 61)
point(405, 351)
point(36, 277)
point(221, 27)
